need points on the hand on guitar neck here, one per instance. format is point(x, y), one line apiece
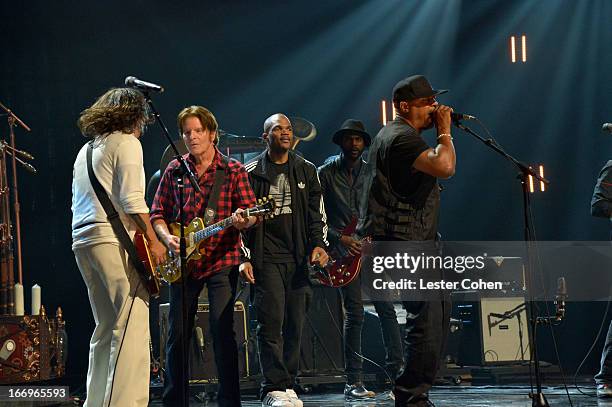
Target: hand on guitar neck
point(241, 219)
point(353, 246)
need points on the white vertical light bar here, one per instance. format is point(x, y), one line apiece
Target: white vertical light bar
point(542, 186)
point(524, 47)
point(513, 49)
point(384, 112)
point(531, 184)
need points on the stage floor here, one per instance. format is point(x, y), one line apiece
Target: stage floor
point(451, 396)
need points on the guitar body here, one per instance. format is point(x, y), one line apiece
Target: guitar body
point(196, 233)
point(193, 250)
point(151, 278)
point(345, 267)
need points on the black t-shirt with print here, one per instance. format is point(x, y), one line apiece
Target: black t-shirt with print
point(278, 239)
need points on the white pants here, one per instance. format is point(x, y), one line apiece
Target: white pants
point(118, 373)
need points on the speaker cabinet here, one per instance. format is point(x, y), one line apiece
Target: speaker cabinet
point(202, 367)
point(495, 330)
point(322, 350)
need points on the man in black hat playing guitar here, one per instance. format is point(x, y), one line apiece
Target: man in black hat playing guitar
point(341, 183)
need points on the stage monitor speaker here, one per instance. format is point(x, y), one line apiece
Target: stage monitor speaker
point(494, 331)
point(322, 337)
point(202, 366)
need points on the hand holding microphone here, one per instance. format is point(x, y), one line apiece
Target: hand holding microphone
point(442, 118)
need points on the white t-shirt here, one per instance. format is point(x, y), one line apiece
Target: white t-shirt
point(118, 165)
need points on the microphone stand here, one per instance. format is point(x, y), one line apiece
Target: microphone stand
point(13, 120)
point(538, 398)
point(184, 172)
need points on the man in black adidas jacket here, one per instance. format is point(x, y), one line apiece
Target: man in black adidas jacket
point(282, 248)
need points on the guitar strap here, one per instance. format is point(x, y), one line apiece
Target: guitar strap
point(213, 199)
point(113, 217)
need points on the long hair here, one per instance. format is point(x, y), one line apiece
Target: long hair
point(119, 109)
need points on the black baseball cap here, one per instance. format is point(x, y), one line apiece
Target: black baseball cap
point(415, 87)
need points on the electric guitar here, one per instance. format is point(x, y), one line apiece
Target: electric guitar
point(342, 267)
point(150, 277)
point(195, 234)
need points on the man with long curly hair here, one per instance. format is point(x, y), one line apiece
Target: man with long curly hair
point(118, 373)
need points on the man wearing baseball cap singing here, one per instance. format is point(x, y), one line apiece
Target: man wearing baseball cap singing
point(402, 201)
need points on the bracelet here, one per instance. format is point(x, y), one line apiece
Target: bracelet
point(444, 134)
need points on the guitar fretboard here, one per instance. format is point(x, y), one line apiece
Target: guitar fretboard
point(212, 229)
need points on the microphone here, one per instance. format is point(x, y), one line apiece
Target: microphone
point(200, 338)
point(461, 116)
point(134, 82)
point(20, 153)
point(560, 299)
point(24, 154)
point(25, 165)
point(607, 127)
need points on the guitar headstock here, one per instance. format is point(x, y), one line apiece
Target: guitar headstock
point(265, 207)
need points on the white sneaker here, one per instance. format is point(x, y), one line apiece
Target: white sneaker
point(294, 398)
point(277, 399)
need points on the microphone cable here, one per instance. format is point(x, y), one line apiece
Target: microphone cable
point(335, 323)
point(538, 264)
point(127, 322)
point(601, 328)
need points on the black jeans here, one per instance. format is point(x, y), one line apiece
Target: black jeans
point(282, 296)
point(605, 374)
point(353, 324)
point(221, 291)
point(392, 338)
point(427, 325)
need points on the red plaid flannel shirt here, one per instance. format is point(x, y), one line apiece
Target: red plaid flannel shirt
point(222, 249)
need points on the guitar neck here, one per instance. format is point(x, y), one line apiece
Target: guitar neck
point(212, 229)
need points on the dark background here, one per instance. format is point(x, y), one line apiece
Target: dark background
point(325, 61)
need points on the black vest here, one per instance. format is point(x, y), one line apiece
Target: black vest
point(394, 214)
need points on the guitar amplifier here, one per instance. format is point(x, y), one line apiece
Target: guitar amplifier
point(32, 348)
point(494, 331)
point(202, 367)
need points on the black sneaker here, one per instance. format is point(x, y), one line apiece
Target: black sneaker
point(357, 392)
point(420, 401)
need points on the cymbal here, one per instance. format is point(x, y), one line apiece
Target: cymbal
point(169, 154)
point(303, 129)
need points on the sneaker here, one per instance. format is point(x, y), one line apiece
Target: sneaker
point(420, 401)
point(357, 392)
point(604, 390)
point(293, 397)
point(276, 399)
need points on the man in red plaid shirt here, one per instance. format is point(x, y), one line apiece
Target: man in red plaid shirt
point(219, 266)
